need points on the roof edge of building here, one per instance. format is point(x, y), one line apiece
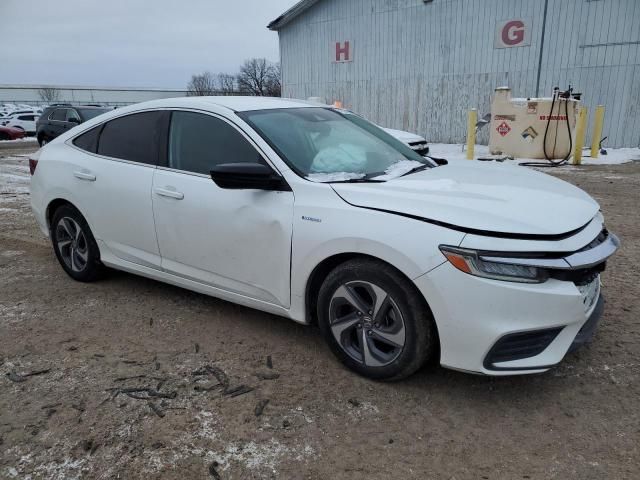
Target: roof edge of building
point(89, 87)
point(299, 8)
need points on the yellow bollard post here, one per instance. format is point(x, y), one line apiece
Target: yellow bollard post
point(471, 132)
point(581, 127)
point(597, 131)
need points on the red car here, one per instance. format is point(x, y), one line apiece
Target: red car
point(9, 133)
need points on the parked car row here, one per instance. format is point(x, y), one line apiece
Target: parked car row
point(57, 119)
point(24, 120)
point(19, 121)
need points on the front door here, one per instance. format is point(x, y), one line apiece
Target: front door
point(236, 240)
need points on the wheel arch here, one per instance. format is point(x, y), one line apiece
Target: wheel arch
point(322, 270)
point(54, 205)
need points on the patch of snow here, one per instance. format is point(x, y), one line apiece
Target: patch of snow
point(256, 456)
point(398, 169)
point(333, 177)
point(12, 472)
point(453, 152)
point(11, 253)
point(614, 156)
point(19, 140)
point(207, 423)
point(66, 470)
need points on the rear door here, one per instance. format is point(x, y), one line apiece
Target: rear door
point(114, 184)
point(236, 240)
point(56, 123)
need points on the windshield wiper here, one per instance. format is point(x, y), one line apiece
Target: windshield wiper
point(416, 169)
point(358, 180)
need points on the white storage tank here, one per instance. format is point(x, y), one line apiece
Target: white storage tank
point(518, 125)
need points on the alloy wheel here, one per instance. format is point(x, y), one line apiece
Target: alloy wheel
point(72, 244)
point(367, 323)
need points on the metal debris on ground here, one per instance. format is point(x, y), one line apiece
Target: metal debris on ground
point(18, 378)
point(261, 406)
point(237, 391)
point(213, 470)
point(267, 375)
point(156, 409)
point(223, 379)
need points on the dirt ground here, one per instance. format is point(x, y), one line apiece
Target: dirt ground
point(124, 374)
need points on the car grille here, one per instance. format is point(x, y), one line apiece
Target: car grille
point(590, 292)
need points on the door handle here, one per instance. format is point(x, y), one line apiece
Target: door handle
point(163, 192)
point(85, 176)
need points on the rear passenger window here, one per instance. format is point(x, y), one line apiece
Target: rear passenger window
point(89, 140)
point(198, 142)
point(135, 137)
point(58, 114)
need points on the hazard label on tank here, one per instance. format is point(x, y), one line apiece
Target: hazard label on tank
point(503, 129)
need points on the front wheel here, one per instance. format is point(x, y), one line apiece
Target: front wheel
point(74, 245)
point(375, 320)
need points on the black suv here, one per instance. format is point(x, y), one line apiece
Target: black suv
point(57, 119)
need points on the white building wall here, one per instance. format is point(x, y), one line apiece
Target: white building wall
point(421, 66)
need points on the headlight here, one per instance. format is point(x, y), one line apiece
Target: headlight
point(468, 261)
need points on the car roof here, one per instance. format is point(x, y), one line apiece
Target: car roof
point(235, 103)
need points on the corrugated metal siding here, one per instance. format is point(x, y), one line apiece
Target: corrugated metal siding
point(420, 66)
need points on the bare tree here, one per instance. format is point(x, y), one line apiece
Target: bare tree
point(202, 85)
point(257, 76)
point(274, 86)
point(226, 84)
point(49, 94)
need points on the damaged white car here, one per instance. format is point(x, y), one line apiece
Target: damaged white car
point(315, 214)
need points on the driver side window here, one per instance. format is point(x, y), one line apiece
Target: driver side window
point(198, 142)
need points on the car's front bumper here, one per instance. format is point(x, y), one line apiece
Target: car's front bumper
point(472, 314)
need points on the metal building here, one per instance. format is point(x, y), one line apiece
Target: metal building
point(420, 65)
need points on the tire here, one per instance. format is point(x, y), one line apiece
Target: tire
point(375, 320)
point(74, 245)
point(4, 136)
point(42, 140)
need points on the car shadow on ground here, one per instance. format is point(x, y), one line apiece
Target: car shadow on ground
point(216, 314)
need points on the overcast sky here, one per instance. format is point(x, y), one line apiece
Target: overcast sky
point(132, 43)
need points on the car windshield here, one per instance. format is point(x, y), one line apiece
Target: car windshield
point(89, 113)
point(328, 145)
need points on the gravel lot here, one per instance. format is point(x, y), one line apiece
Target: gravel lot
point(120, 386)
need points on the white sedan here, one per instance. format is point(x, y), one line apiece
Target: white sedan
point(315, 214)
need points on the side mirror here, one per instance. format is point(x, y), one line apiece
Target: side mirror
point(246, 176)
point(439, 161)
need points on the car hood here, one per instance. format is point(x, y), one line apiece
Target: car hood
point(480, 198)
point(403, 136)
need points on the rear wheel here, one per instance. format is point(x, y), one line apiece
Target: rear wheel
point(74, 245)
point(4, 136)
point(42, 140)
point(375, 320)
